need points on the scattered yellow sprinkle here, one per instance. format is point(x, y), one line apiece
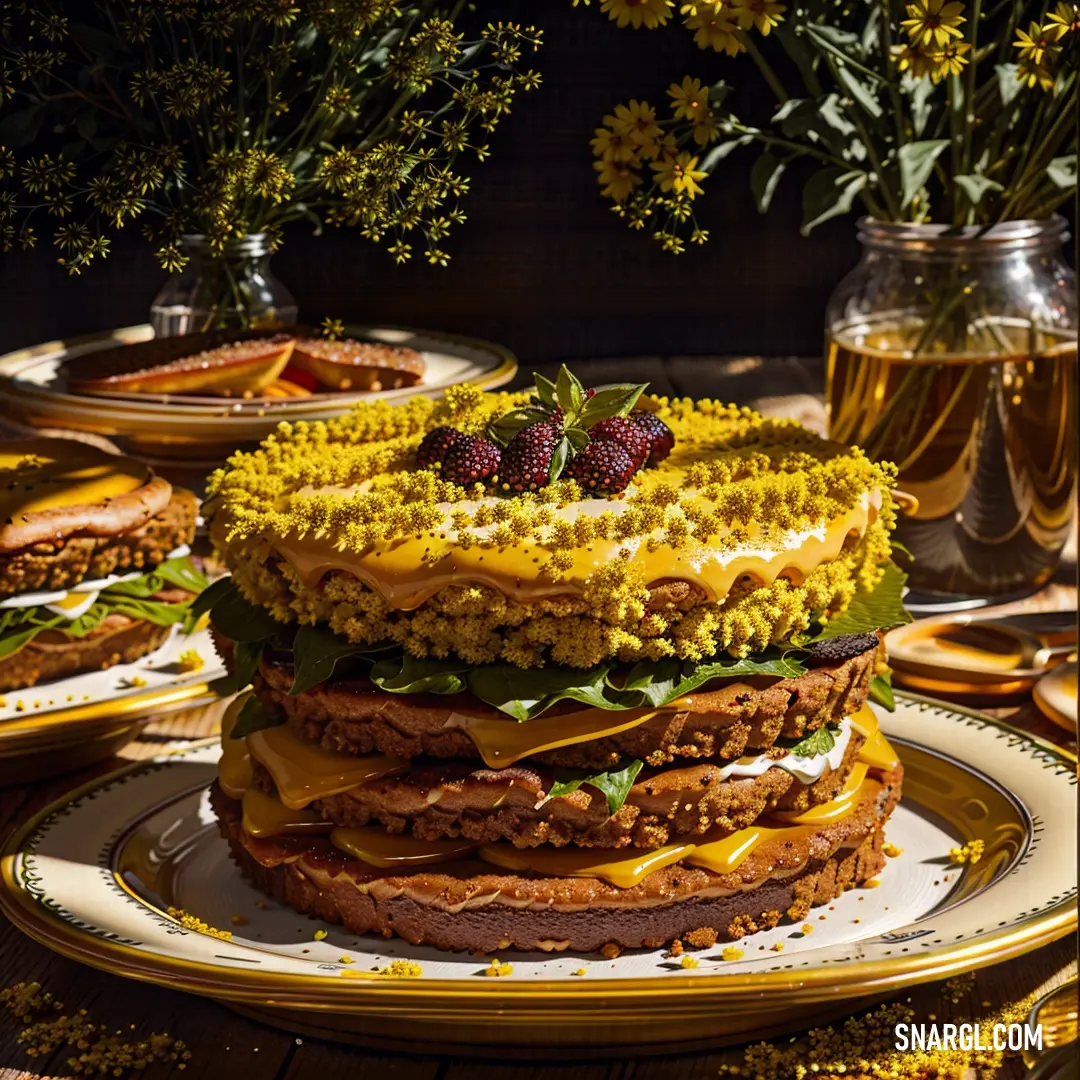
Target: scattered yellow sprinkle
point(579, 971)
point(498, 969)
point(891, 850)
point(136, 681)
point(689, 962)
point(408, 969)
point(959, 987)
point(190, 660)
point(192, 922)
point(99, 1051)
point(344, 958)
point(873, 883)
point(3, 702)
point(971, 852)
point(239, 920)
point(732, 953)
point(778, 947)
point(320, 935)
point(806, 928)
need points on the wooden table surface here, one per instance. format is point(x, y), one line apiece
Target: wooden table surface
point(224, 1044)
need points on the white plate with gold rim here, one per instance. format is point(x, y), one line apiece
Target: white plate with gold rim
point(93, 878)
point(64, 724)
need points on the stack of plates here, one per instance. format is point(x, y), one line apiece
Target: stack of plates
point(164, 429)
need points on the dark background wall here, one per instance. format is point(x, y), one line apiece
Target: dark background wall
point(542, 265)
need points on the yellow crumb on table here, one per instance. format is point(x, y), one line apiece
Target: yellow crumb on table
point(689, 962)
point(971, 852)
point(732, 953)
point(873, 883)
point(891, 850)
point(806, 928)
point(345, 958)
point(401, 969)
point(579, 971)
point(320, 935)
point(137, 681)
point(190, 660)
point(497, 969)
point(778, 947)
point(192, 922)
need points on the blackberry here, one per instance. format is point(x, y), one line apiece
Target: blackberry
point(471, 460)
point(603, 467)
point(630, 436)
point(661, 437)
point(434, 446)
point(526, 461)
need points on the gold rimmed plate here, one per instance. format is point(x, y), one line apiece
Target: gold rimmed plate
point(94, 879)
point(67, 724)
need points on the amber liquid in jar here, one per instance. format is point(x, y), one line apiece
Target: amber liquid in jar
point(985, 442)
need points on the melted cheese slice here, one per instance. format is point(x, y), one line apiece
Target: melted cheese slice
point(623, 868)
point(855, 790)
point(304, 771)
point(47, 474)
point(264, 815)
point(726, 854)
point(502, 742)
point(235, 774)
point(876, 751)
point(377, 847)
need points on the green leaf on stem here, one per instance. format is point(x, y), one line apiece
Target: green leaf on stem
point(916, 164)
point(317, 651)
point(830, 192)
point(613, 784)
point(880, 609)
point(859, 91)
point(559, 459)
point(255, 716)
point(975, 186)
point(1062, 171)
point(764, 178)
point(1009, 85)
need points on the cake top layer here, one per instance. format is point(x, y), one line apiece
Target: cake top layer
point(733, 478)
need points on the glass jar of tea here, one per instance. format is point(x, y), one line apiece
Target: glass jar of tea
point(952, 352)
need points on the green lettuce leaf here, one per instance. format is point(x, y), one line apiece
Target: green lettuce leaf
point(613, 784)
point(246, 658)
point(175, 573)
point(237, 618)
point(255, 716)
point(317, 651)
point(526, 693)
point(13, 642)
point(880, 609)
point(154, 611)
point(407, 674)
point(817, 742)
point(881, 691)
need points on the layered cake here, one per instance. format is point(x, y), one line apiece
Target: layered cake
point(94, 562)
point(556, 669)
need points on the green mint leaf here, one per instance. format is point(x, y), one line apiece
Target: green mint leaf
point(559, 459)
point(612, 401)
point(255, 716)
point(817, 742)
point(881, 691)
point(210, 596)
point(508, 425)
point(569, 394)
point(613, 784)
point(407, 674)
point(317, 651)
point(545, 390)
point(880, 609)
point(577, 438)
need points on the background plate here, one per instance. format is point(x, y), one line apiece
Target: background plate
point(93, 879)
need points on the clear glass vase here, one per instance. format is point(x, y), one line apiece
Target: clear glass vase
point(233, 287)
point(952, 352)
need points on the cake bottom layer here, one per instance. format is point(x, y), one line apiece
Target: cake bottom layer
point(469, 908)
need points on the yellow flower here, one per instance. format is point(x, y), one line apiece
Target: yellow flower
point(705, 131)
point(763, 14)
point(637, 123)
point(618, 180)
point(1032, 74)
point(613, 146)
point(690, 101)
point(679, 174)
point(1038, 41)
point(638, 13)
point(1066, 16)
point(920, 64)
point(716, 32)
point(950, 61)
point(933, 22)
